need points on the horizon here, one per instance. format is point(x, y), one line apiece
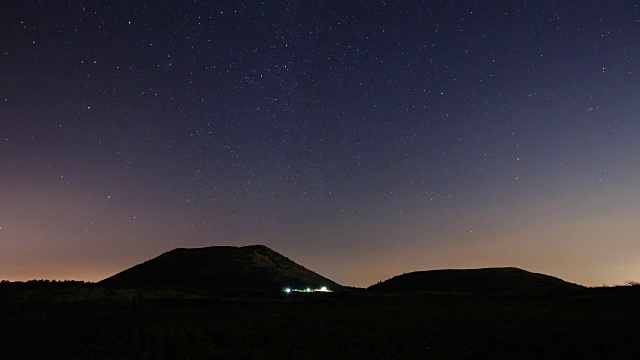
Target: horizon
point(362, 139)
point(349, 285)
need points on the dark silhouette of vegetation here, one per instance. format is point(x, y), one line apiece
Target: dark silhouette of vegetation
point(38, 284)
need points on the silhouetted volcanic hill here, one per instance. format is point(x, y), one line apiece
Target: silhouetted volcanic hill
point(252, 267)
point(488, 280)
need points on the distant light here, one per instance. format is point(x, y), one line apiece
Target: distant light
point(308, 290)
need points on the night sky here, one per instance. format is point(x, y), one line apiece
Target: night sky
point(362, 139)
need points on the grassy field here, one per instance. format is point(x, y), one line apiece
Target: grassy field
point(95, 323)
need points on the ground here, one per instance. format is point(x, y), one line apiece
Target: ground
point(97, 323)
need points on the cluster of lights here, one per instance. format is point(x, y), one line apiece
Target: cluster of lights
point(322, 289)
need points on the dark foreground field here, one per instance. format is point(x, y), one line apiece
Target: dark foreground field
point(93, 323)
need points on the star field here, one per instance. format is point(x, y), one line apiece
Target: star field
point(361, 139)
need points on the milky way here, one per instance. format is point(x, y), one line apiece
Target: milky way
point(360, 139)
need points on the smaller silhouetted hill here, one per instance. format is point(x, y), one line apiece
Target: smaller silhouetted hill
point(489, 280)
point(220, 267)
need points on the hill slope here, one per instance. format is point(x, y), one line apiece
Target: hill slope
point(489, 280)
point(252, 267)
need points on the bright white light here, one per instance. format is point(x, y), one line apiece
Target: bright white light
point(308, 290)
